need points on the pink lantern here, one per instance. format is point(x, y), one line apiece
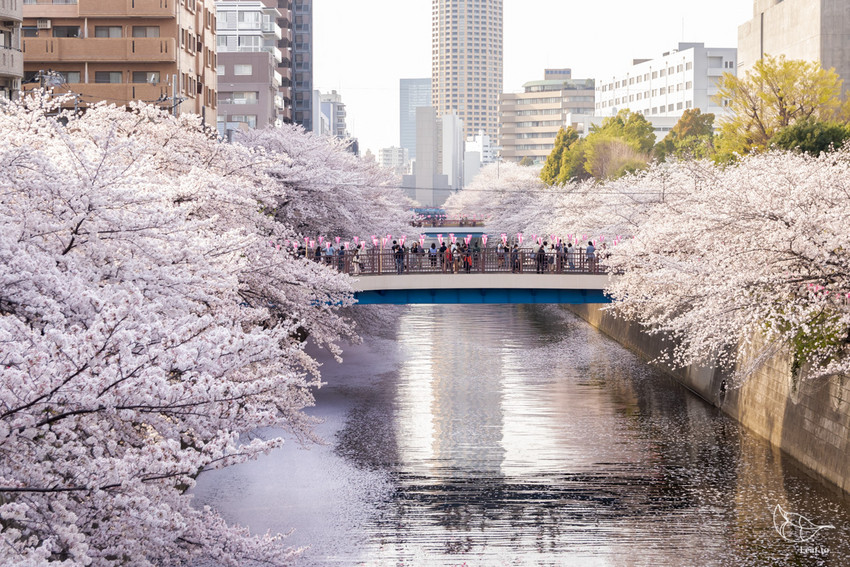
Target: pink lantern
point(346, 245)
point(327, 245)
point(312, 244)
point(337, 240)
point(402, 239)
point(468, 239)
point(454, 238)
point(519, 238)
point(484, 240)
point(295, 246)
point(553, 239)
point(504, 238)
point(321, 239)
point(440, 239)
point(389, 237)
point(375, 241)
point(356, 240)
point(421, 240)
point(306, 241)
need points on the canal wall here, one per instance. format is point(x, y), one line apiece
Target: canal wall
point(808, 420)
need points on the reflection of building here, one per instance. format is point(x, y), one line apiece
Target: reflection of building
point(11, 58)
point(248, 82)
point(681, 79)
point(812, 30)
point(530, 120)
point(413, 93)
point(121, 51)
point(466, 64)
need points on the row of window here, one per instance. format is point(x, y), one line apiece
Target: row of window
point(648, 94)
point(99, 31)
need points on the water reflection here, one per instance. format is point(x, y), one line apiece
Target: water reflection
point(519, 436)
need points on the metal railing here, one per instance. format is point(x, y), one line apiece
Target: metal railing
point(521, 261)
point(438, 222)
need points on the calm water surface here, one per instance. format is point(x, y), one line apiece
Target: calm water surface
point(518, 435)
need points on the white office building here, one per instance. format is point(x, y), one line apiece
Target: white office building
point(394, 158)
point(680, 79)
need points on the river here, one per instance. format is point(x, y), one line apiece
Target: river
point(518, 435)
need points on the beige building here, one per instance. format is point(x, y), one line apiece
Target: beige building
point(466, 64)
point(529, 121)
point(11, 59)
point(125, 50)
point(812, 30)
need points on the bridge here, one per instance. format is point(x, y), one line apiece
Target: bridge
point(474, 276)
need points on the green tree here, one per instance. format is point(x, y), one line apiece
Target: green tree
point(566, 138)
point(811, 136)
point(526, 161)
point(631, 127)
point(691, 137)
point(776, 93)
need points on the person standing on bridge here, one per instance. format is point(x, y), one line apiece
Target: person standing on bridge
point(399, 258)
point(540, 258)
point(355, 260)
point(590, 255)
point(571, 256)
point(432, 254)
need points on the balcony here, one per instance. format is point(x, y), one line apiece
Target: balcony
point(50, 8)
point(112, 92)
point(10, 10)
point(91, 50)
point(11, 62)
point(128, 8)
point(272, 28)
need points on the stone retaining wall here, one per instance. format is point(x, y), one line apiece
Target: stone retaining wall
point(808, 420)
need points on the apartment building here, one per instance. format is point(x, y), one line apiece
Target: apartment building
point(683, 78)
point(120, 51)
point(812, 30)
point(530, 120)
point(249, 84)
point(467, 62)
point(11, 59)
point(333, 109)
point(303, 103)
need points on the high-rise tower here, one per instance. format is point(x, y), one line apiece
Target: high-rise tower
point(466, 63)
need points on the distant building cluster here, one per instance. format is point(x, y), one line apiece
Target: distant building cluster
point(249, 64)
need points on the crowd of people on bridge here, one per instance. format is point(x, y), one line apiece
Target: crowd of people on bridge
point(463, 256)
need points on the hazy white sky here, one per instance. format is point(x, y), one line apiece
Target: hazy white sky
point(362, 48)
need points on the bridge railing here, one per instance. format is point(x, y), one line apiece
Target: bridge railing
point(435, 223)
point(488, 260)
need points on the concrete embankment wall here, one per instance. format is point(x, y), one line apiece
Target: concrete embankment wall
point(808, 420)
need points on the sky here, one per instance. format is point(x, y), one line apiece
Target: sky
point(362, 49)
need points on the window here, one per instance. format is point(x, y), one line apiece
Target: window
point(220, 70)
point(107, 77)
point(151, 77)
point(66, 31)
point(243, 69)
point(145, 31)
point(249, 119)
point(108, 31)
point(29, 31)
point(71, 76)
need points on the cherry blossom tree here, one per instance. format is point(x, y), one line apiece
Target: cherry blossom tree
point(329, 191)
point(152, 319)
point(759, 251)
